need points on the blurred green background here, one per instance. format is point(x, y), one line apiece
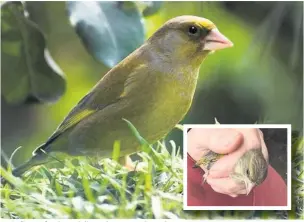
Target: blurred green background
point(259, 79)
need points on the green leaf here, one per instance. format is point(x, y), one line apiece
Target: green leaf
point(116, 150)
point(29, 74)
point(152, 8)
point(147, 148)
point(179, 126)
point(58, 188)
point(109, 30)
point(87, 188)
point(136, 133)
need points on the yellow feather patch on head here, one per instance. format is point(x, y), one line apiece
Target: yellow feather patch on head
point(206, 23)
point(199, 21)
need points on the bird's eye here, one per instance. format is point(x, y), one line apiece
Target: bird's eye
point(247, 172)
point(193, 30)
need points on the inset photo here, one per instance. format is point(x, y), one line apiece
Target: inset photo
point(237, 167)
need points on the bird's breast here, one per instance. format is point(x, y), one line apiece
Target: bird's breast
point(166, 106)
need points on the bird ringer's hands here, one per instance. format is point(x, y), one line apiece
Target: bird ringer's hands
point(234, 142)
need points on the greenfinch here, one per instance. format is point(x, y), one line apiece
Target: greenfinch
point(251, 169)
point(152, 88)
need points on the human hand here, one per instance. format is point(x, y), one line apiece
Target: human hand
point(234, 142)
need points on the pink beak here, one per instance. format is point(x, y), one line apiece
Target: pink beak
point(216, 41)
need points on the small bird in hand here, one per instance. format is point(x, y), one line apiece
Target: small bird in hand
point(152, 88)
point(250, 169)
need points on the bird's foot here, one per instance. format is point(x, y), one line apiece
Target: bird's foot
point(128, 163)
point(205, 176)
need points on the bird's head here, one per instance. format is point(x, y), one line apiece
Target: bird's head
point(251, 169)
point(189, 38)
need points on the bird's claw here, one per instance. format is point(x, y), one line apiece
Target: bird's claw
point(205, 177)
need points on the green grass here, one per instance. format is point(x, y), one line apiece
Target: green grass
point(89, 188)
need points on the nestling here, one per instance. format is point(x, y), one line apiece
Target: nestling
point(152, 88)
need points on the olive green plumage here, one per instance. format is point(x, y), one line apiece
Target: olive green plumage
point(208, 160)
point(152, 88)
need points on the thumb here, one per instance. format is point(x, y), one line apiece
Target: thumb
point(225, 141)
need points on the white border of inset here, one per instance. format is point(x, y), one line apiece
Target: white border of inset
point(285, 126)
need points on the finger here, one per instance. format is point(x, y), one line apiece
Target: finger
point(252, 138)
point(227, 186)
point(225, 141)
point(197, 143)
point(244, 191)
point(224, 166)
point(219, 190)
point(234, 196)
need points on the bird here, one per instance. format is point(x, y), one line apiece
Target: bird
point(251, 168)
point(153, 88)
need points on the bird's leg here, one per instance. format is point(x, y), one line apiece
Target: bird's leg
point(207, 171)
point(131, 165)
point(205, 176)
point(127, 162)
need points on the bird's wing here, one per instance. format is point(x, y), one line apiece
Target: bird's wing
point(208, 160)
point(78, 113)
point(105, 94)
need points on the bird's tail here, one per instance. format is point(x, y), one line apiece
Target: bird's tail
point(37, 159)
